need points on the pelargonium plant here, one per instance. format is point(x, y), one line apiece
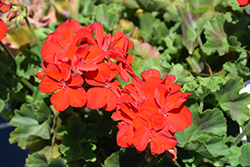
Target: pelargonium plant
point(81, 65)
point(138, 83)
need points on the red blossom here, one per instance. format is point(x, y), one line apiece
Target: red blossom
point(87, 58)
point(59, 46)
point(66, 84)
point(154, 109)
point(3, 29)
point(243, 2)
point(105, 92)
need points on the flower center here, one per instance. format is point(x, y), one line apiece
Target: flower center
point(152, 132)
point(82, 61)
point(107, 85)
point(62, 83)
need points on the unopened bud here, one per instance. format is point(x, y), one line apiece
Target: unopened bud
point(14, 2)
point(6, 2)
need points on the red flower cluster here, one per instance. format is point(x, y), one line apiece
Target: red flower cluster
point(243, 2)
point(81, 64)
point(72, 48)
point(151, 111)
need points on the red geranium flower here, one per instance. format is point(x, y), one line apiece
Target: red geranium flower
point(66, 84)
point(3, 29)
point(243, 2)
point(59, 46)
point(87, 58)
point(151, 126)
point(105, 92)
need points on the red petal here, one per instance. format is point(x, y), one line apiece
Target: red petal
point(150, 73)
point(48, 85)
point(162, 141)
point(160, 95)
point(76, 80)
point(158, 121)
point(141, 138)
point(124, 135)
point(50, 48)
point(77, 97)
point(139, 121)
point(54, 72)
point(65, 71)
point(60, 100)
point(179, 119)
point(3, 29)
point(243, 2)
point(175, 99)
point(111, 101)
point(96, 97)
point(99, 33)
point(99, 76)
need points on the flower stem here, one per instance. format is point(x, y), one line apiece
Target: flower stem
point(9, 53)
point(24, 81)
point(33, 32)
point(240, 136)
point(70, 10)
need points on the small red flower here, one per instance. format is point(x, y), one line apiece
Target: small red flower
point(66, 84)
point(151, 126)
point(3, 29)
point(105, 92)
point(59, 45)
point(87, 58)
point(243, 2)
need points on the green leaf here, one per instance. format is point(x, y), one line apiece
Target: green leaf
point(189, 16)
point(244, 156)
point(127, 157)
point(37, 160)
point(234, 69)
point(182, 75)
point(230, 100)
point(57, 162)
point(106, 15)
point(204, 86)
point(28, 128)
point(43, 112)
point(151, 27)
point(24, 116)
point(113, 160)
point(2, 104)
point(216, 37)
point(88, 7)
point(76, 143)
point(203, 136)
point(27, 65)
point(233, 157)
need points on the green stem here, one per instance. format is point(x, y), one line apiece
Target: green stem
point(33, 32)
point(10, 54)
point(24, 81)
point(240, 136)
point(201, 105)
point(70, 10)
